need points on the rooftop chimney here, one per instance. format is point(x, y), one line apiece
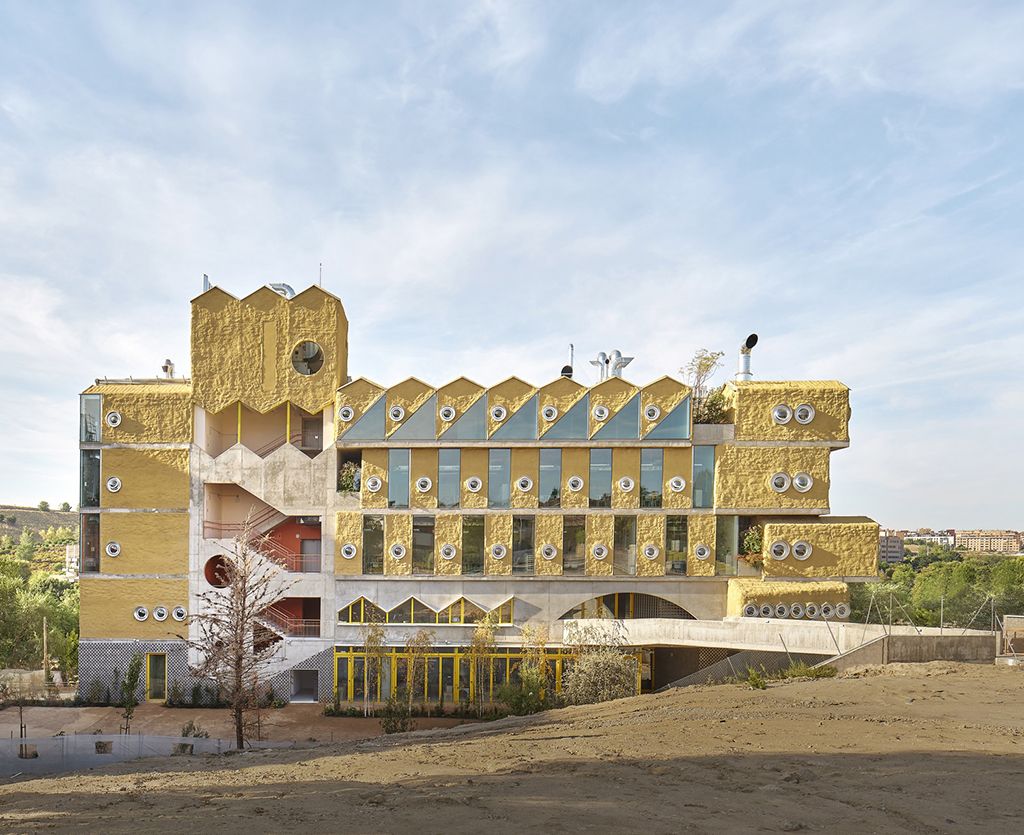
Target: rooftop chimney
point(168, 369)
point(743, 371)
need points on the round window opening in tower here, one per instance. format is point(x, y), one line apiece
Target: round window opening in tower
point(307, 358)
point(216, 572)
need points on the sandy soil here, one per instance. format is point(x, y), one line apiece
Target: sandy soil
point(914, 748)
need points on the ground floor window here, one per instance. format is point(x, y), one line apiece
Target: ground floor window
point(156, 676)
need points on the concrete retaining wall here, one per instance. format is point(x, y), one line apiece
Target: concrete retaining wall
point(893, 649)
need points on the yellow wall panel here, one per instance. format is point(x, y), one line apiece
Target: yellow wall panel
point(423, 462)
point(840, 548)
point(375, 463)
point(460, 394)
point(151, 543)
point(498, 529)
point(150, 413)
point(513, 394)
point(473, 462)
point(650, 530)
point(108, 604)
point(348, 530)
point(575, 461)
point(701, 530)
point(548, 532)
point(614, 393)
point(625, 464)
point(525, 462)
point(678, 461)
point(448, 531)
point(563, 394)
point(753, 401)
point(666, 394)
point(742, 475)
point(150, 478)
point(748, 590)
point(359, 395)
point(410, 395)
point(600, 529)
point(397, 530)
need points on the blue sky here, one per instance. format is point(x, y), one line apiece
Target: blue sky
point(486, 183)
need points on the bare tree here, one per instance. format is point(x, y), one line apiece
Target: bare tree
point(375, 647)
point(229, 620)
point(128, 686)
point(708, 405)
point(417, 646)
point(481, 651)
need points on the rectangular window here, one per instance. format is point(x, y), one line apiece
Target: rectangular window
point(574, 544)
point(422, 544)
point(600, 478)
point(675, 544)
point(449, 476)
point(624, 558)
point(727, 536)
point(89, 424)
point(398, 478)
point(522, 544)
point(373, 545)
point(350, 470)
point(499, 477)
point(651, 478)
point(90, 542)
point(156, 676)
point(703, 476)
point(550, 483)
point(472, 544)
point(90, 478)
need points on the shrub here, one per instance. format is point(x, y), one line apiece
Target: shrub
point(799, 669)
point(599, 674)
point(197, 694)
point(529, 695)
point(95, 692)
point(395, 716)
point(755, 680)
point(193, 729)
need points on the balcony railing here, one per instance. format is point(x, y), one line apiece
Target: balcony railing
point(292, 627)
point(257, 522)
point(289, 560)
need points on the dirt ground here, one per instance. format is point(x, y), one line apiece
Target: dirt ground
point(910, 748)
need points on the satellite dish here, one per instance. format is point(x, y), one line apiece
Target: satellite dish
point(751, 341)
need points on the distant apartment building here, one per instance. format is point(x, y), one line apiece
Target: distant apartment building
point(890, 546)
point(997, 542)
point(944, 539)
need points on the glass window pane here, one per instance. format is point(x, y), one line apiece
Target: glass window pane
point(421, 425)
point(472, 426)
point(727, 536)
point(624, 425)
point(574, 537)
point(373, 545)
point(449, 466)
point(157, 676)
point(600, 478)
point(370, 427)
point(624, 557)
point(398, 478)
point(703, 476)
point(402, 613)
point(90, 478)
point(675, 426)
point(89, 409)
point(90, 542)
point(499, 477)
point(522, 544)
point(574, 424)
point(422, 544)
point(472, 544)
point(675, 545)
point(522, 426)
point(651, 478)
point(549, 487)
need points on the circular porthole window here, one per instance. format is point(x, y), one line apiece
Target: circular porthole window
point(373, 484)
point(423, 484)
point(141, 613)
point(179, 613)
point(349, 551)
point(751, 610)
point(113, 549)
point(767, 610)
point(446, 413)
point(652, 412)
point(651, 551)
point(796, 610)
point(827, 610)
point(474, 484)
point(677, 484)
point(811, 610)
point(498, 551)
point(160, 613)
point(701, 551)
point(548, 551)
point(448, 551)
point(113, 484)
point(113, 419)
point(396, 413)
point(398, 551)
point(780, 482)
point(626, 484)
point(498, 413)
point(549, 413)
point(842, 610)
point(600, 551)
point(600, 413)
point(779, 550)
point(216, 572)
point(804, 413)
point(803, 482)
point(782, 414)
point(346, 413)
point(802, 549)
point(524, 484)
point(781, 610)
point(307, 358)
point(575, 483)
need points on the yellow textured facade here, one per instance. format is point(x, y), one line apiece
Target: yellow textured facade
point(242, 349)
point(512, 394)
point(548, 532)
point(460, 394)
point(600, 531)
point(397, 531)
point(408, 395)
point(498, 530)
point(375, 463)
point(650, 530)
point(525, 462)
point(575, 462)
point(562, 394)
point(613, 394)
point(359, 396)
point(423, 463)
point(677, 461)
point(348, 531)
point(474, 465)
point(448, 531)
point(159, 413)
point(702, 530)
point(151, 543)
point(666, 394)
point(107, 607)
point(742, 475)
point(751, 404)
point(743, 591)
point(625, 464)
point(150, 478)
point(840, 547)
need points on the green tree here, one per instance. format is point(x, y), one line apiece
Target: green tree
point(65, 507)
point(44, 506)
point(128, 686)
point(27, 545)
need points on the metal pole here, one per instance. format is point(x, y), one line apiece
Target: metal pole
point(44, 651)
point(942, 613)
point(790, 657)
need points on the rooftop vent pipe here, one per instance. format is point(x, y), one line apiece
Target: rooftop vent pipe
point(168, 368)
point(743, 371)
point(283, 290)
point(611, 365)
